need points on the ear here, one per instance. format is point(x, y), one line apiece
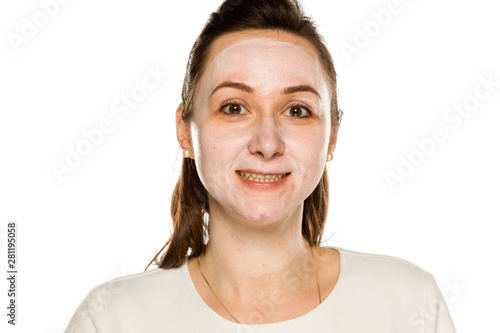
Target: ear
point(183, 129)
point(333, 142)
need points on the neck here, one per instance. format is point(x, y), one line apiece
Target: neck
point(243, 258)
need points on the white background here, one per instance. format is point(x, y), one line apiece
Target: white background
point(110, 215)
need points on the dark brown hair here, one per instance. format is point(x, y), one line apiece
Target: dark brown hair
point(189, 206)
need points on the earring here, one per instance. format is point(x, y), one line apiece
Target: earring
point(186, 152)
point(329, 157)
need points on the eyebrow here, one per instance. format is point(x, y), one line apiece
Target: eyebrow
point(250, 90)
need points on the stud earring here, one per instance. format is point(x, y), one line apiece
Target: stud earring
point(329, 157)
point(186, 152)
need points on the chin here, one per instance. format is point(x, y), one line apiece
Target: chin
point(263, 213)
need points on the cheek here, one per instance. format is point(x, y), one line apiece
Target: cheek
point(215, 150)
point(309, 148)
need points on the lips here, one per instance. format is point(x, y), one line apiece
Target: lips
point(262, 177)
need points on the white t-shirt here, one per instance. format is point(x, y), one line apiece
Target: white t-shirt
point(374, 293)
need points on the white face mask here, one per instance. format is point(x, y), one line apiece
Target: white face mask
point(266, 136)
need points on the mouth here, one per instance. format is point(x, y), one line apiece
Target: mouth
point(262, 178)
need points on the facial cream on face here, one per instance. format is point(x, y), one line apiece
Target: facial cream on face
point(266, 64)
point(266, 140)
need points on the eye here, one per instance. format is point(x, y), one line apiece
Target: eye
point(298, 111)
point(233, 108)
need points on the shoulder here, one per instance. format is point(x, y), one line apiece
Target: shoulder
point(129, 300)
point(384, 272)
point(139, 289)
point(381, 264)
point(144, 283)
point(386, 290)
point(388, 285)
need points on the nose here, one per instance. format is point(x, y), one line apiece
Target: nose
point(266, 139)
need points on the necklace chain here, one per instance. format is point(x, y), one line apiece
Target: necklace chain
point(213, 292)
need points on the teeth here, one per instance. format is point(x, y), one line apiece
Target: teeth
point(260, 178)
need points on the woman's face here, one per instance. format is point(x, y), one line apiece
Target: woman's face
point(260, 131)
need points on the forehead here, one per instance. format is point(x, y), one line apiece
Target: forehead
point(248, 54)
point(230, 43)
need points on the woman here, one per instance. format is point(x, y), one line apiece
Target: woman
point(257, 123)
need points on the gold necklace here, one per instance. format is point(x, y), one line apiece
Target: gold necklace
point(213, 292)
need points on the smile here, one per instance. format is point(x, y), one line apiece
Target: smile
point(256, 177)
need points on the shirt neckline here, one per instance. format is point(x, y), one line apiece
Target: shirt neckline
point(329, 299)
